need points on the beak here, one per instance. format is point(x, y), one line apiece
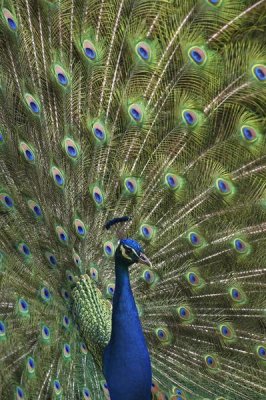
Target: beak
point(144, 260)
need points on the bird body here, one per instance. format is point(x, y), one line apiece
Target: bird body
point(148, 109)
point(126, 358)
point(121, 352)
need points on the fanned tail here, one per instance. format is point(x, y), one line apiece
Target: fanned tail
point(154, 110)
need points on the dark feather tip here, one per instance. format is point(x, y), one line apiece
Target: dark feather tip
point(115, 221)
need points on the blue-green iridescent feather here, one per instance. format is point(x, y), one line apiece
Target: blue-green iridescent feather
point(153, 109)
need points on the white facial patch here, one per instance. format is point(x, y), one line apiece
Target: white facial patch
point(124, 254)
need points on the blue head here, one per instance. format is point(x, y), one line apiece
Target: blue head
point(129, 251)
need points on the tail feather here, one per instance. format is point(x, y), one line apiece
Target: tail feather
point(148, 109)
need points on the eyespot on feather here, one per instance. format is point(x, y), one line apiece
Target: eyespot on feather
point(77, 260)
point(70, 277)
point(148, 276)
point(99, 132)
point(94, 274)
point(32, 104)
point(20, 395)
point(51, 258)
point(45, 333)
point(172, 181)
point(249, 134)
point(89, 50)
point(147, 231)
point(30, 365)
point(185, 314)
point(66, 322)
point(195, 239)
point(109, 248)
point(259, 72)
point(240, 246)
point(110, 290)
point(27, 151)
point(45, 294)
point(261, 352)
point(105, 390)
point(65, 294)
point(190, 117)
point(80, 228)
point(223, 186)
point(57, 388)
point(2, 330)
point(83, 348)
point(67, 351)
point(61, 75)
point(2, 138)
point(226, 332)
point(131, 185)
point(71, 148)
point(61, 235)
point(215, 2)
point(23, 307)
point(24, 250)
point(86, 394)
point(237, 295)
point(136, 113)
point(10, 19)
point(6, 201)
point(97, 195)
point(211, 362)
point(162, 334)
point(58, 177)
point(154, 387)
point(143, 51)
point(35, 208)
point(194, 279)
point(197, 55)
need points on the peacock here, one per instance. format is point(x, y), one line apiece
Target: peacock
point(132, 200)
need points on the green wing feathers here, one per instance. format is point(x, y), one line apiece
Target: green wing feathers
point(93, 315)
point(153, 109)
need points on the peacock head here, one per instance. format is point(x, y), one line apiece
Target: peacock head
point(129, 251)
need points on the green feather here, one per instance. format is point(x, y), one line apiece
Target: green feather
point(155, 110)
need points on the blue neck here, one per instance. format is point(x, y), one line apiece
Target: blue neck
point(123, 301)
point(126, 355)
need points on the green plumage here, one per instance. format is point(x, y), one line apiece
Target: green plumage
point(93, 316)
point(153, 109)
